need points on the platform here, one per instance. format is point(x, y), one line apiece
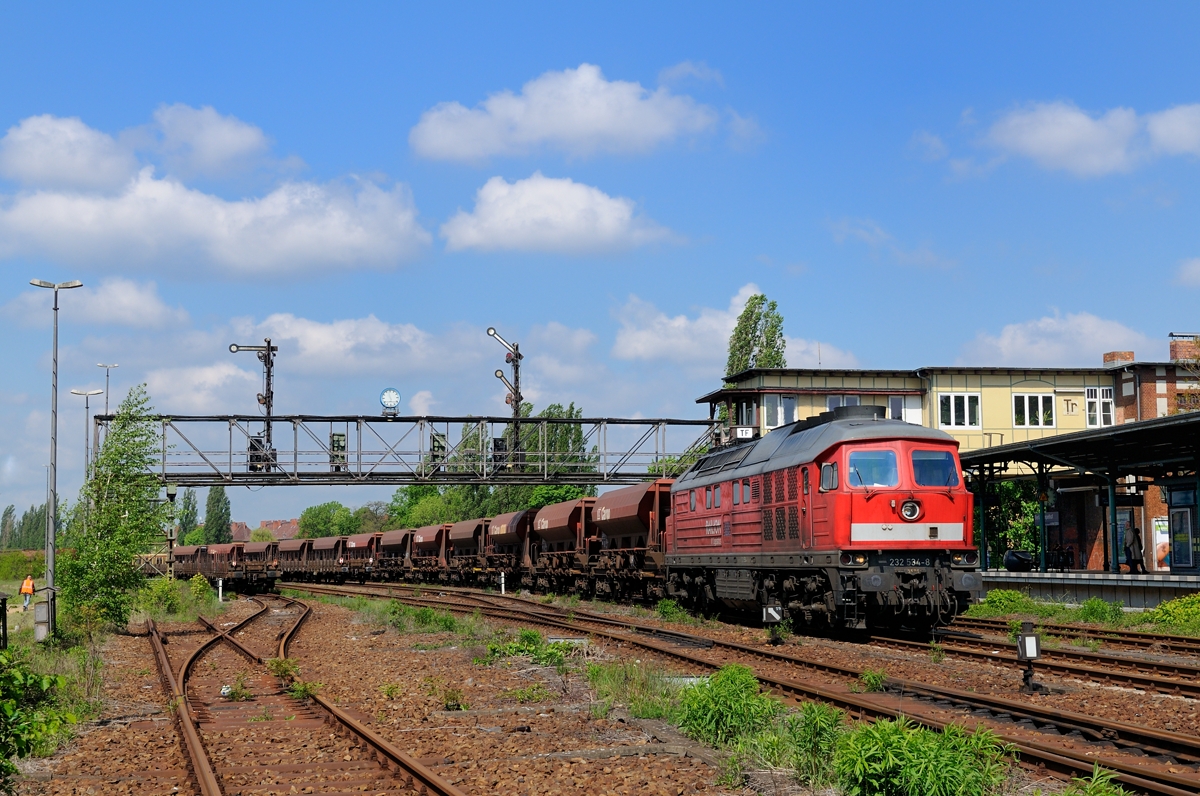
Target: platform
point(1134, 591)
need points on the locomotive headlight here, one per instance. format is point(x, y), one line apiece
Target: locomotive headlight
point(910, 510)
point(854, 559)
point(964, 559)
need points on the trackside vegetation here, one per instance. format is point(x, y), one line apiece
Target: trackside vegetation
point(1181, 615)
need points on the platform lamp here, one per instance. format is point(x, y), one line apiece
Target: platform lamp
point(52, 501)
point(107, 368)
point(87, 417)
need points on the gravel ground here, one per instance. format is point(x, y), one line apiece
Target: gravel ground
point(496, 745)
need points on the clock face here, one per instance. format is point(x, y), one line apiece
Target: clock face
point(390, 398)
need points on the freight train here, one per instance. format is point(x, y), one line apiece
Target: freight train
point(844, 520)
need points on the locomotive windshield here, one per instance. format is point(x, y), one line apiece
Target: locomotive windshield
point(873, 468)
point(934, 468)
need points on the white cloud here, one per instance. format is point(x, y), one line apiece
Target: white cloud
point(691, 70)
point(116, 302)
point(576, 111)
point(928, 146)
point(203, 141)
point(647, 333)
point(1078, 339)
point(421, 403)
point(803, 353)
point(201, 389)
point(550, 215)
point(1189, 272)
point(299, 226)
point(1175, 131)
point(50, 151)
point(878, 239)
point(1058, 135)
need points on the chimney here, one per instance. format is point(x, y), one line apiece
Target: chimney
point(1184, 347)
point(1118, 357)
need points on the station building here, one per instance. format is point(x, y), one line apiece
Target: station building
point(985, 407)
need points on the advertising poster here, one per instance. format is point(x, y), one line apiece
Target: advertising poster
point(1162, 544)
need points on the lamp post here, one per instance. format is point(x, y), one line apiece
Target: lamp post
point(106, 369)
point(87, 416)
point(514, 397)
point(52, 502)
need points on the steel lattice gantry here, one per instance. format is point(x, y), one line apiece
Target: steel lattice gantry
point(311, 449)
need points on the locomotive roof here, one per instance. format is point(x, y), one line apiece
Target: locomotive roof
point(798, 443)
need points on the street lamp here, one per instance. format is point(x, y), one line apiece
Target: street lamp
point(52, 503)
point(106, 369)
point(87, 417)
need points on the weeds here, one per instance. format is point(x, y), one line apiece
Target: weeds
point(284, 668)
point(304, 691)
point(532, 693)
point(727, 706)
point(1098, 783)
point(779, 632)
point(646, 690)
point(1096, 611)
point(803, 742)
point(670, 611)
point(873, 680)
point(239, 691)
point(937, 653)
point(263, 715)
point(529, 643)
point(452, 699)
point(391, 690)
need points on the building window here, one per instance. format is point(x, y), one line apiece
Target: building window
point(896, 407)
point(1033, 410)
point(779, 410)
point(959, 409)
point(834, 401)
point(747, 412)
point(1099, 406)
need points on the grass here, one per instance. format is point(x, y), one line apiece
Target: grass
point(727, 706)
point(1098, 783)
point(532, 693)
point(872, 680)
point(405, 618)
point(937, 653)
point(528, 644)
point(1180, 616)
point(168, 599)
point(647, 691)
point(304, 691)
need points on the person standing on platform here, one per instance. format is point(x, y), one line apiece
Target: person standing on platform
point(27, 591)
point(1133, 553)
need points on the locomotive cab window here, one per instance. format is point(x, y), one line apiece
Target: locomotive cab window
point(872, 468)
point(746, 493)
point(717, 496)
point(737, 489)
point(934, 468)
point(708, 497)
point(692, 502)
point(829, 476)
point(804, 479)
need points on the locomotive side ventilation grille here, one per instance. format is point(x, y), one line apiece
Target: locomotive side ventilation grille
point(768, 497)
point(754, 490)
point(780, 520)
point(768, 532)
point(793, 526)
point(791, 484)
point(779, 486)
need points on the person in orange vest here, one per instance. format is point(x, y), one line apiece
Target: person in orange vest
point(27, 590)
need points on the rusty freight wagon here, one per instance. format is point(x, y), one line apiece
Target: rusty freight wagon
point(464, 550)
point(428, 554)
point(393, 558)
point(293, 558)
point(559, 545)
point(327, 558)
point(360, 551)
point(507, 540)
point(632, 523)
point(261, 561)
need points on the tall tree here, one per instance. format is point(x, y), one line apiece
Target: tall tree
point(8, 524)
point(317, 521)
point(261, 534)
point(117, 517)
point(216, 517)
point(188, 511)
point(757, 340)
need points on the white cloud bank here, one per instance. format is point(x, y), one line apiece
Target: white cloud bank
point(86, 199)
point(647, 333)
point(548, 215)
point(1078, 339)
point(1061, 136)
point(115, 302)
point(576, 111)
point(203, 389)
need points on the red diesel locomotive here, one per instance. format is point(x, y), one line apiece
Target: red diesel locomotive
point(842, 520)
point(846, 519)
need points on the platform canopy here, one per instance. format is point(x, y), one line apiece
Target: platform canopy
point(1149, 448)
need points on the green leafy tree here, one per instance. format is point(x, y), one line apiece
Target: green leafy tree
point(28, 715)
point(757, 340)
point(317, 521)
point(345, 522)
point(188, 513)
point(1012, 518)
point(196, 537)
point(8, 524)
point(217, 519)
point(261, 535)
point(117, 517)
point(404, 501)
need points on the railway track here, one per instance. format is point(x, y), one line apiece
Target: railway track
point(1124, 639)
point(245, 735)
point(1146, 759)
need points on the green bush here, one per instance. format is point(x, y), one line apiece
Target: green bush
point(727, 706)
point(647, 692)
point(29, 711)
point(15, 565)
point(529, 643)
point(161, 594)
point(1000, 602)
point(1096, 610)
point(1181, 612)
point(670, 611)
point(897, 758)
point(201, 591)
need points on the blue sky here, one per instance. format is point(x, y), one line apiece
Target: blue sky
point(375, 185)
